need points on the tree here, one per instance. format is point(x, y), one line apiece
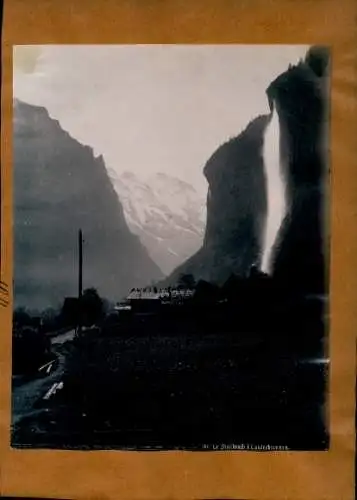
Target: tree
point(50, 319)
point(69, 312)
point(206, 292)
point(21, 317)
point(186, 281)
point(92, 307)
point(31, 348)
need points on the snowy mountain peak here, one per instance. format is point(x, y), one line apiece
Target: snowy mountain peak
point(167, 214)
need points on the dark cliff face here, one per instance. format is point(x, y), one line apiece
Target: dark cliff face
point(237, 204)
point(300, 97)
point(59, 187)
point(236, 208)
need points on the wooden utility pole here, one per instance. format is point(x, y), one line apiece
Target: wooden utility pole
point(80, 279)
point(80, 266)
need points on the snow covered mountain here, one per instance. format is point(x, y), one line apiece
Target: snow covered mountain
point(167, 214)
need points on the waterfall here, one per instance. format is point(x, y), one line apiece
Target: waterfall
point(275, 189)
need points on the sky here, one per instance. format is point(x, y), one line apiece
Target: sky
point(152, 108)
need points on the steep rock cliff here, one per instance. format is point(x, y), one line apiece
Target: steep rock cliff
point(236, 208)
point(59, 187)
point(300, 97)
point(237, 197)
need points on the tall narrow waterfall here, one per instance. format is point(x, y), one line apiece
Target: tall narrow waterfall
point(275, 188)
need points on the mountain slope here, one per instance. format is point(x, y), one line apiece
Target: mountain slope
point(166, 213)
point(59, 187)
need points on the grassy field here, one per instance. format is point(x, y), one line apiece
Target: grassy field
point(183, 390)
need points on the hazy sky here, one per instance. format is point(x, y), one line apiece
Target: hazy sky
point(150, 108)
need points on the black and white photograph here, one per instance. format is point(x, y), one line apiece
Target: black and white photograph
point(171, 246)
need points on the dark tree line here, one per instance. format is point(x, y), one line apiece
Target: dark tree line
point(32, 331)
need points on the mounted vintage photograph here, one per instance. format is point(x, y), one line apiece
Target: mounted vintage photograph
point(171, 247)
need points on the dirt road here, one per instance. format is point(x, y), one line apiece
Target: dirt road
point(25, 396)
